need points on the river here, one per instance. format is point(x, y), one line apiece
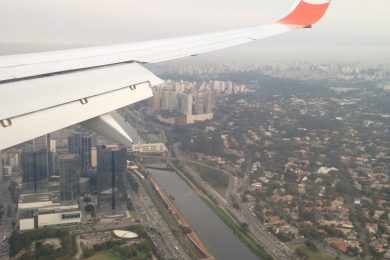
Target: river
point(219, 239)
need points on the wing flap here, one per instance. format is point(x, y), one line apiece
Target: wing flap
point(33, 119)
point(32, 125)
point(29, 96)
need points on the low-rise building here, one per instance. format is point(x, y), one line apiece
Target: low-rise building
point(156, 148)
point(39, 210)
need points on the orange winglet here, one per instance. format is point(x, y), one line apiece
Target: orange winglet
point(305, 14)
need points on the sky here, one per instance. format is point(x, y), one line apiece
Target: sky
point(355, 30)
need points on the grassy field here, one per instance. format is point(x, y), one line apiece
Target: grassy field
point(318, 255)
point(104, 256)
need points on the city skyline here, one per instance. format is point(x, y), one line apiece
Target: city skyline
point(355, 35)
point(276, 150)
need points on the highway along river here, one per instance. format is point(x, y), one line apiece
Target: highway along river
point(219, 239)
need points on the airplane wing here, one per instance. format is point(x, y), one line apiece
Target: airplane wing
point(48, 91)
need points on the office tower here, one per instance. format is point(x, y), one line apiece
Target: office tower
point(53, 146)
point(81, 144)
point(165, 100)
point(179, 86)
point(185, 103)
point(52, 156)
point(94, 157)
point(41, 143)
point(69, 171)
point(111, 164)
point(168, 100)
point(35, 170)
point(12, 159)
point(209, 103)
point(52, 163)
point(199, 106)
point(229, 88)
point(155, 101)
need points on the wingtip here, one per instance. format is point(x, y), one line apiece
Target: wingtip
point(305, 14)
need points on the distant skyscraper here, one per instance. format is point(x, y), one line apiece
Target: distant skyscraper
point(179, 86)
point(111, 164)
point(168, 100)
point(41, 143)
point(156, 100)
point(81, 144)
point(53, 146)
point(94, 157)
point(52, 163)
point(209, 102)
point(185, 103)
point(44, 144)
point(199, 106)
point(69, 171)
point(12, 159)
point(35, 170)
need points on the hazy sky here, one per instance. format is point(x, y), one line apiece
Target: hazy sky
point(357, 29)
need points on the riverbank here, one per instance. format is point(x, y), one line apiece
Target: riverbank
point(189, 241)
point(238, 228)
point(181, 221)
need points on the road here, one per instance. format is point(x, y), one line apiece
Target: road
point(79, 253)
point(158, 230)
point(269, 242)
point(99, 227)
point(276, 248)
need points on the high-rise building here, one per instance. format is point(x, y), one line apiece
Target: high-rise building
point(179, 86)
point(53, 146)
point(69, 171)
point(81, 144)
point(41, 143)
point(111, 164)
point(209, 102)
point(168, 100)
point(35, 170)
point(156, 100)
point(12, 159)
point(94, 157)
point(199, 106)
point(185, 103)
point(52, 163)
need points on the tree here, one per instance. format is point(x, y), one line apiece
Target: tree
point(311, 246)
point(301, 253)
point(133, 183)
point(245, 226)
point(344, 188)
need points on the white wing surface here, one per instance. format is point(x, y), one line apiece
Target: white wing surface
point(48, 91)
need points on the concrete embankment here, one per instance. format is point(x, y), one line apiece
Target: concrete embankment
point(182, 221)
